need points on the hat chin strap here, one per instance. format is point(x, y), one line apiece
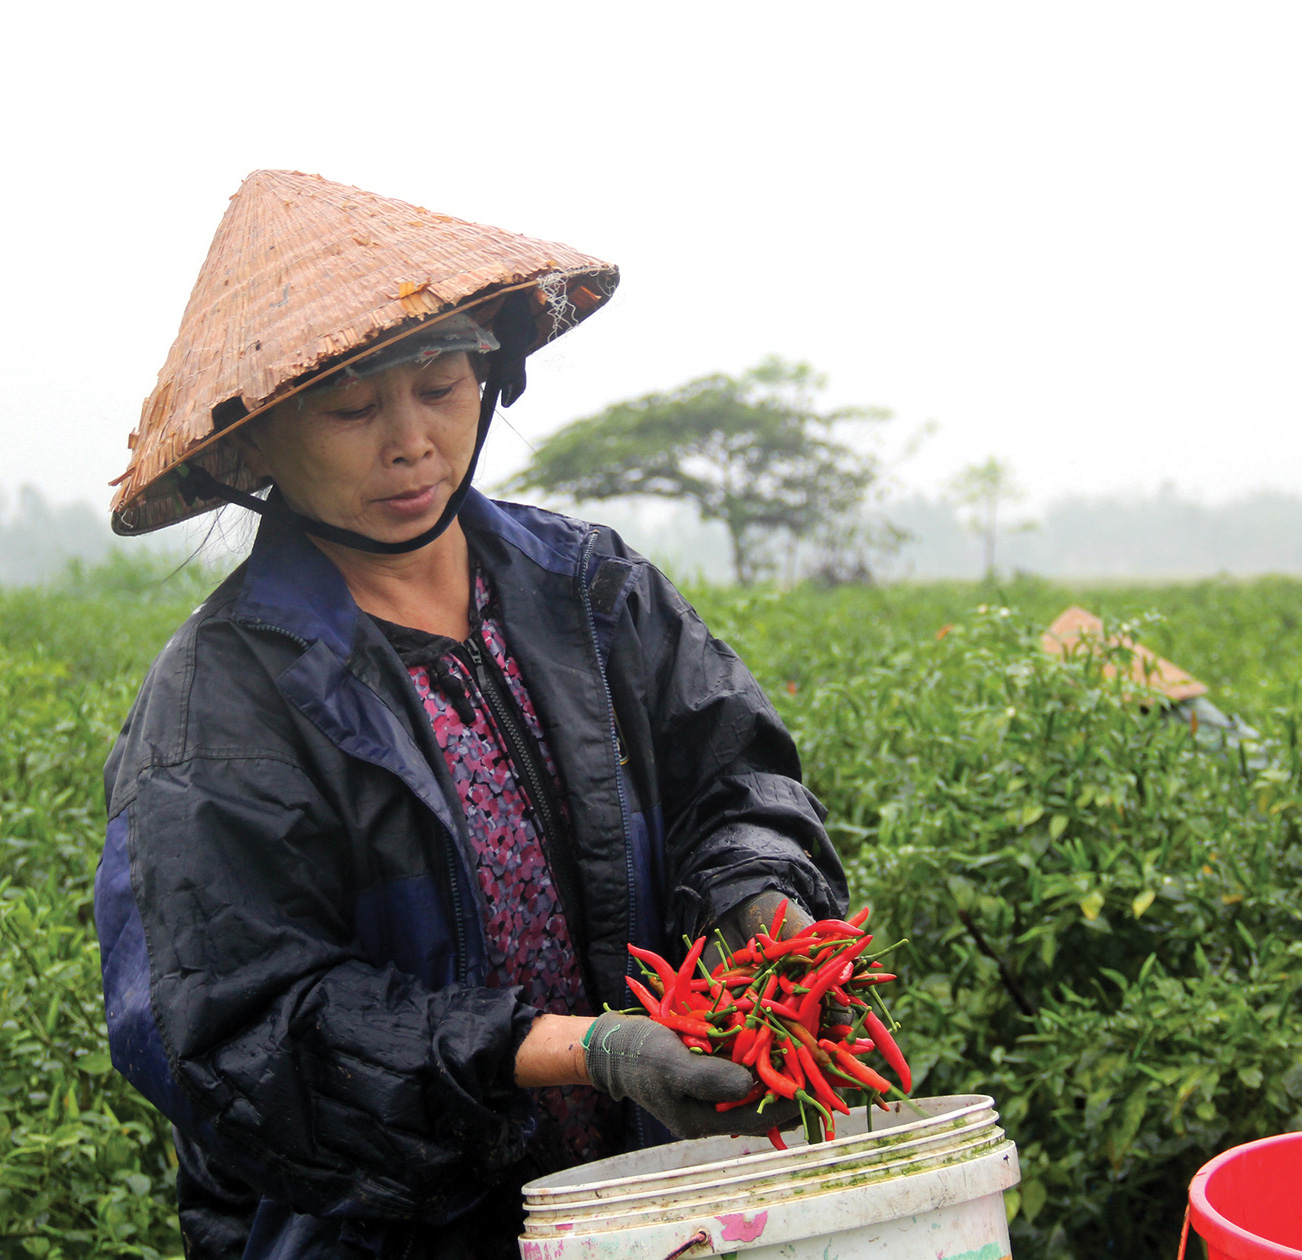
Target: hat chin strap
point(514, 329)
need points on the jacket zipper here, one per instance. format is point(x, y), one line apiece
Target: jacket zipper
point(616, 741)
point(532, 773)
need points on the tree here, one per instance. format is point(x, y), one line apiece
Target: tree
point(751, 451)
point(984, 488)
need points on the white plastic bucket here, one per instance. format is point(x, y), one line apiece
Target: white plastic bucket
point(926, 1187)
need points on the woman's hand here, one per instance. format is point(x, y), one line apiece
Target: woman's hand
point(552, 1052)
point(631, 1056)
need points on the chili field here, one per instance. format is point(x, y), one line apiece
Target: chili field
point(1100, 903)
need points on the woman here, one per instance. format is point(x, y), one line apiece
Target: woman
point(392, 803)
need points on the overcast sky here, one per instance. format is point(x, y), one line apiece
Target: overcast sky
point(1070, 234)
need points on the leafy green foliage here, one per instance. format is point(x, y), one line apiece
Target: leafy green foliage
point(1101, 910)
point(750, 451)
point(86, 1166)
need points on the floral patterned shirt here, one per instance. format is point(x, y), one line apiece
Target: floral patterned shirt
point(526, 934)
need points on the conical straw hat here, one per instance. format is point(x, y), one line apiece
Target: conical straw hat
point(304, 274)
point(1078, 630)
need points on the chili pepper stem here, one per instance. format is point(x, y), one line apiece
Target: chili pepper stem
point(895, 1025)
point(896, 1091)
point(881, 953)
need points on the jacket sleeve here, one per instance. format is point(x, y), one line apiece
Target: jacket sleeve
point(738, 821)
point(240, 1002)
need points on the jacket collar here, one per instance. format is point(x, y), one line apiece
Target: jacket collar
point(551, 541)
point(290, 585)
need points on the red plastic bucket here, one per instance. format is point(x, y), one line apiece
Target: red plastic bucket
point(1247, 1202)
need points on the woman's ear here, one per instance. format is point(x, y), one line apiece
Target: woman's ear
point(247, 439)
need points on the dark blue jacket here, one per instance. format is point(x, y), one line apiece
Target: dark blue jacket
point(290, 923)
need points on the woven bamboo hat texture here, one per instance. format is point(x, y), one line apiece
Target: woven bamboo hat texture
point(303, 276)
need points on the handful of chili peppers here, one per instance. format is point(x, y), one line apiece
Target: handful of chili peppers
point(779, 1007)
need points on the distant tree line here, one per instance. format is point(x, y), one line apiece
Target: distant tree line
point(1163, 535)
point(755, 460)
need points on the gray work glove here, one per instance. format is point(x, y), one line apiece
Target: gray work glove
point(740, 923)
point(631, 1056)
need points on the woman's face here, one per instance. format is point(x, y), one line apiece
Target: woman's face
point(380, 455)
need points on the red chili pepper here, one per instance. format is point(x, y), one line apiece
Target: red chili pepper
point(677, 992)
point(791, 1064)
point(867, 981)
point(696, 1043)
point(779, 917)
point(776, 1138)
point(741, 1043)
point(862, 1045)
point(801, 1033)
point(890, 1051)
point(779, 1084)
point(822, 1090)
point(732, 978)
point(780, 949)
point(759, 1047)
point(781, 1008)
point(843, 1079)
point(685, 1024)
point(643, 995)
point(656, 963)
point(858, 920)
point(835, 927)
point(860, 1071)
point(714, 1002)
point(831, 972)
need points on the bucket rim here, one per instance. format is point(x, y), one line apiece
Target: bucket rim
point(605, 1216)
point(1218, 1230)
point(826, 1162)
point(540, 1190)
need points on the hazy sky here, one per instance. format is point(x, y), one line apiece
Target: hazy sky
point(1070, 234)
